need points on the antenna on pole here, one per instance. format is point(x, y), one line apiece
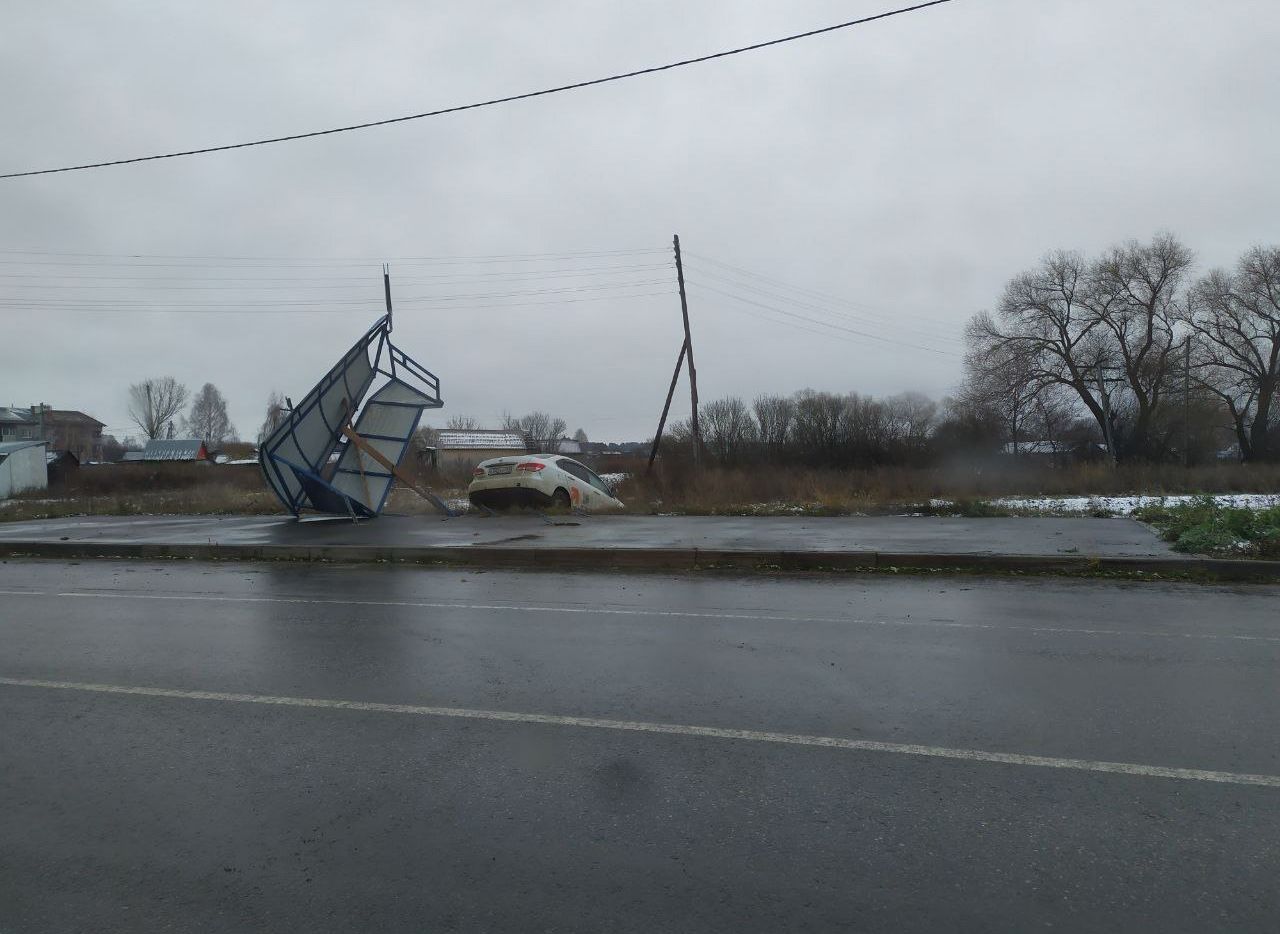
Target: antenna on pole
point(386, 288)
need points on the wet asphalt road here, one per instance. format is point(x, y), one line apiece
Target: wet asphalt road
point(207, 812)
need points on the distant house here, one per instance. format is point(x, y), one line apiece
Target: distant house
point(59, 465)
point(22, 467)
point(64, 429)
point(1058, 452)
point(457, 447)
point(18, 425)
point(1040, 449)
point(568, 446)
point(186, 449)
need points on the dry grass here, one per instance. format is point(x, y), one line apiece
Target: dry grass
point(187, 489)
point(147, 489)
point(788, 491)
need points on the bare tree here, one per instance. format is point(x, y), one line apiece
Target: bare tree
point(277, 412)
point(774, 416)
point(154, 403)
point(910, 418)
point(1104, 330)
point(543, 431)
point(112, 449)
point(727, 429)
point(208, 419)
point(580, 436)
point(1235, 320)
point(462, 423)
point(819, 426)
point(866, 432)
point(1136, 295)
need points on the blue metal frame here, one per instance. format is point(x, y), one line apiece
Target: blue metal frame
point(271, 462)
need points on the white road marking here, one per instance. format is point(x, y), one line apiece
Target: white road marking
point(671, 729)
point(677, 614)
point(23, 593)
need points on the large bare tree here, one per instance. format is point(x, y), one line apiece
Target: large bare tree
point(154, 403)
point(208, 419)
point(1235, 322)
point(1137, 296)
point(1103, 329)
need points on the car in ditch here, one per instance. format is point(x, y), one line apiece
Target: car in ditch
point(540, 481)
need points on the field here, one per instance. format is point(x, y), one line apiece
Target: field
point(1002, 489)
point(956, 490)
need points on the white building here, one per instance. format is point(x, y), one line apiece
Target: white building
point(22, 467)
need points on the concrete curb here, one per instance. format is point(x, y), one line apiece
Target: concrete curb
point(663, 559)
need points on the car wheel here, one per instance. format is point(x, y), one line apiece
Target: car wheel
point(560, 501)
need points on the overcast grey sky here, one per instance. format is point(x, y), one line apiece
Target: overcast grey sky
point(909, 167)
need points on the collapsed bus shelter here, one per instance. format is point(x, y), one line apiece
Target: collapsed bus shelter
point(339, 452)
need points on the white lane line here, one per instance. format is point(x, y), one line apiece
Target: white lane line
point(672, 729)
point(678, 614)
point(23, 593)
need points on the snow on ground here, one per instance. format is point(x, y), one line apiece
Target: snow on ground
point(1126, 505)
point(614, 478)
point(6, 503)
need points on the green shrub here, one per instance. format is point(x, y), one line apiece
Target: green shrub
point(1201, 526)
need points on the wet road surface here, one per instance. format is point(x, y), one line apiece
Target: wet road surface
point(232, 747)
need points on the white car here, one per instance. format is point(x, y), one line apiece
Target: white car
point(539, 481)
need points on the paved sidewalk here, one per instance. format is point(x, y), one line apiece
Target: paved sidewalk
point(649, 543)
point(1114, 538)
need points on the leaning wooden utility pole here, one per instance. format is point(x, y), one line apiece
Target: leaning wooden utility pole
point(688, 346)
point(662, 422)
point(686, 349)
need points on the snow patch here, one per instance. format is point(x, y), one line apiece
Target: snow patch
point(1127, 505)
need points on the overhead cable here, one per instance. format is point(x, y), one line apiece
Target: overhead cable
point(825, 324)
point(487, 103)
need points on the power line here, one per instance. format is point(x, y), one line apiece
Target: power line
point(234, 283)
point(893, 316)
point(489, 103)
point(273, 264)
point(121, 308)
point(360, 259)
point(320, 302)
point(826, 324)
point(822, 309)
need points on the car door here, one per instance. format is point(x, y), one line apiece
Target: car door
point(604, 494)
point(590, 491)
point(579, 486)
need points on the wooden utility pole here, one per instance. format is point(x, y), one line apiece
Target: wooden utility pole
point(688, 346)
point(686, 349)
point(662, 422)
point(386, 289)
